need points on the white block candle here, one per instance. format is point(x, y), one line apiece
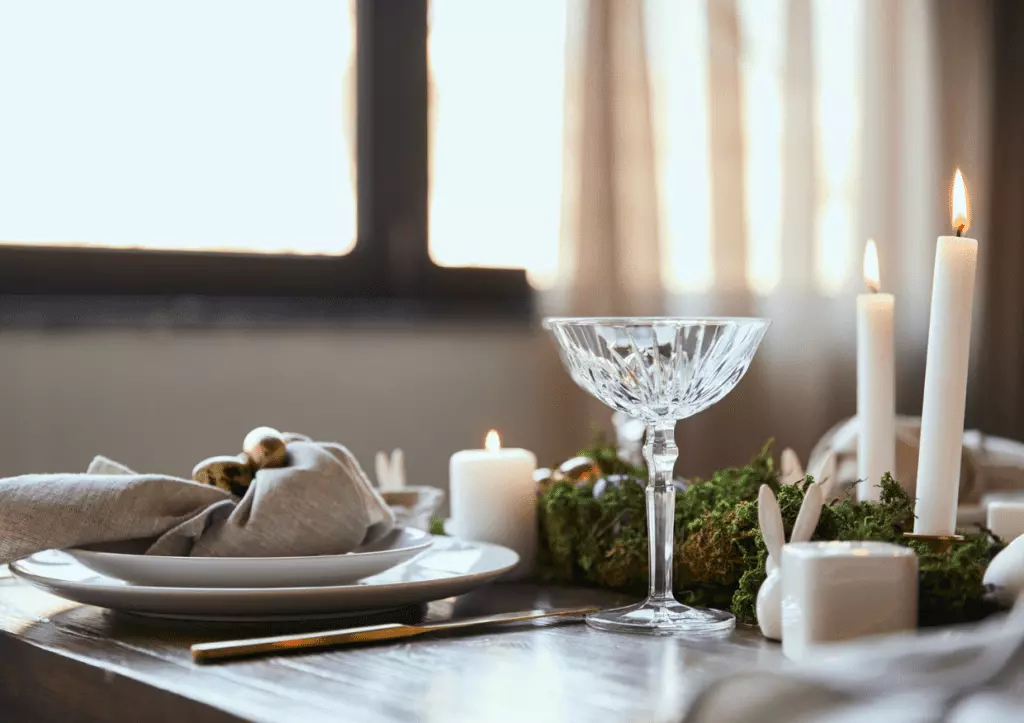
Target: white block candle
point(494, 498)
point(876, 382)
point(945, 381)
point(1006, 519)
point(835, 591)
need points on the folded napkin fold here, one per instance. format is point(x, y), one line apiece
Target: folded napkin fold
point(321, 503)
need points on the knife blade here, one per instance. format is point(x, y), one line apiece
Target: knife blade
point(229, 649)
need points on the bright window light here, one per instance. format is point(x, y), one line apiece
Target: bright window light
point(186, 124)
point(677, 48)
point(763, 31)
point(838, 57)
point(497, 98)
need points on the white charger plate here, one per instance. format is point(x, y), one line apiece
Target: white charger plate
point(399, 546)
point(450, 567)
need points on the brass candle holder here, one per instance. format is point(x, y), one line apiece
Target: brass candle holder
point(940, 544)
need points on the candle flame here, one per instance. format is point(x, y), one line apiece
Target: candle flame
point(960, 204)
point(871, 275)
point(493, 441)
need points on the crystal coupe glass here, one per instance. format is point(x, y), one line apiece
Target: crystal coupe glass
point(660, 370)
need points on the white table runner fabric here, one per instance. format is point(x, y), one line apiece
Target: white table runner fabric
point(962, 674)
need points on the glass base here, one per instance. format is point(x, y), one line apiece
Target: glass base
point(663, 617)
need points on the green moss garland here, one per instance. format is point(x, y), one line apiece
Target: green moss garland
point(719, 555)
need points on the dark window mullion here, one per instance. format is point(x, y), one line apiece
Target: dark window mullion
point(392, 140)
point(390, 263)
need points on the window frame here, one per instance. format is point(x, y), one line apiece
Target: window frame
point(390, 264)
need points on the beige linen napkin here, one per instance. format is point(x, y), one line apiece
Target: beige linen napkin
point(320, 504)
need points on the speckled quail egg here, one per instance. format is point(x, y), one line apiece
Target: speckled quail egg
point(265, 448)
point(231, 474)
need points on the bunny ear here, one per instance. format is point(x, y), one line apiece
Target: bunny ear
point(398, 469)
point(381, 467)
point(828, 478)
point(790, 471)
point(769, 517)
point(810, 511)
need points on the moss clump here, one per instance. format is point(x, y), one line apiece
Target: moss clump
point(720, 555)
point(950, 585)
point(603, 541)
point(437, 526)
point(600, 541)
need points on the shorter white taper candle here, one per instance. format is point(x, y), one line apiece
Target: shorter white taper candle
point(876, 382)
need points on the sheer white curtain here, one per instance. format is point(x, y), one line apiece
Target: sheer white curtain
point(732, 156)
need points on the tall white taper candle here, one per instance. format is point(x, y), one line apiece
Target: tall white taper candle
point(945, 381)
point(876, 385)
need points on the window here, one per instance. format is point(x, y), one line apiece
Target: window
point(838, 30)
point(413, 149)
point(678, 50)
point(133, 125)
point(497, 133)
point(682, 37)
point(236, 147)
point(763, 30)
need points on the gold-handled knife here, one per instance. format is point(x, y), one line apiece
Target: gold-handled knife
point(205, 652)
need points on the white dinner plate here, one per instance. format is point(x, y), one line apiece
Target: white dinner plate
point(449, 567)
point(399, 546)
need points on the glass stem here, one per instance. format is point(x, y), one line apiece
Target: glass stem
point(660, 451)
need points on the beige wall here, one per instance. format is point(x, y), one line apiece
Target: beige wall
point(163, 400)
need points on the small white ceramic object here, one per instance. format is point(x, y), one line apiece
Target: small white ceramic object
point(450, 567)
point(1006, 572)
point(1006, 519)
point(769, 517)
point(414, 506)
point(790, 470)
point(824, 469)
point(397, 547)
point(390, 473)
point(826, 474)
point(834, 591)
point(769, 606)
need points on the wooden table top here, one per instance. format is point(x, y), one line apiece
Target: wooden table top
point(67, 662)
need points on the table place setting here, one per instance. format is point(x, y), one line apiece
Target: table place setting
point(288, 529)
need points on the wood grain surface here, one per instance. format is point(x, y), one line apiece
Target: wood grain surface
point(62, 661)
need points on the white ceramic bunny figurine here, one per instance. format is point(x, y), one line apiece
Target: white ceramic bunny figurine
point(769, 517)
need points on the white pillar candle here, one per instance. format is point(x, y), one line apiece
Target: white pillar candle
point(945, 381)
point(494, 498)
point(876, 383)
